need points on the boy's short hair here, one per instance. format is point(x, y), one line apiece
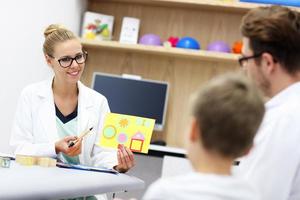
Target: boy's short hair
point(276, 30)
point(229, 110)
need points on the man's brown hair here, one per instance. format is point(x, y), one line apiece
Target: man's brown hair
point(229, 110)
point(275, 30)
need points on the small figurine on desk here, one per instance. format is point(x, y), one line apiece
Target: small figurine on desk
point(4, 162)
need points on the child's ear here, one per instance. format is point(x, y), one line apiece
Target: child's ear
point(247, 151)
point(195, 131)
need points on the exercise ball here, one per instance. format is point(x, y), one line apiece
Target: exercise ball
point(219, 46)
point(150, 39)
point(188, 43)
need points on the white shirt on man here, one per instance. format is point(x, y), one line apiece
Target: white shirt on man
point(273, 165)
point(200, 186)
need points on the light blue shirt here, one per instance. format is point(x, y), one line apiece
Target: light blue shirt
point(64, 130)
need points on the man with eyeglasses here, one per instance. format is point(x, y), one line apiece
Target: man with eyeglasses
point(271, 57)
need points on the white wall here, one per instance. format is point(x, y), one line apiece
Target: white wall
point(22, 24)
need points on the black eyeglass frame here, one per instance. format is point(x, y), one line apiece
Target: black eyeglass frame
point(246, 58)
point(84, 53)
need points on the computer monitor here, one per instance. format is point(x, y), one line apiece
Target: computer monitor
point(139, 97)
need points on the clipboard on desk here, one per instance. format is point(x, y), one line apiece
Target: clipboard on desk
point(86, 168)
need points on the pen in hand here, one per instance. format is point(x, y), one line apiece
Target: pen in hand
point(72, 143)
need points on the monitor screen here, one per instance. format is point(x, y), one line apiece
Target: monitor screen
point(139, 97)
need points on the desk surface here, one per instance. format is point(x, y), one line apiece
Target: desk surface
point(161, 151)
point(167, 149)
point(35, 182)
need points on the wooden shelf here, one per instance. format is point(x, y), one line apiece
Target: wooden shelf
point(234, 6)
point(162, 51)
point(205, 20)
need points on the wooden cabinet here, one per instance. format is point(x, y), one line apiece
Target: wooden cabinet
point(185, 70)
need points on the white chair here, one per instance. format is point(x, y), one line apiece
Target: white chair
point(174, 166)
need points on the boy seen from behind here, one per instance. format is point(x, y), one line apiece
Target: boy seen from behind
point(226, 114)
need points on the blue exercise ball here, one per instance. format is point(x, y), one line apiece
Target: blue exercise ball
point(188, 43)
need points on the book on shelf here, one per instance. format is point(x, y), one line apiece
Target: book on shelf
point(97, 26)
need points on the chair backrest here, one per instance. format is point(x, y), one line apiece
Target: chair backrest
point(173, 166)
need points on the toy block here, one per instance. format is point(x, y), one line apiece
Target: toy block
point(35, 160)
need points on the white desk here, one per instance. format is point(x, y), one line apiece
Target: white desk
point(35, 182)
point(168, 149)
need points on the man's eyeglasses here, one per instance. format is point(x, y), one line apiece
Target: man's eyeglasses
point(67, 61)
point(244, 59)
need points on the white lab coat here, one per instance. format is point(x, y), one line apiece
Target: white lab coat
point(34, 129)
point(273, 165)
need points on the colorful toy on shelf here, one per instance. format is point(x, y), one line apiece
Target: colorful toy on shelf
point(188, 43)
point(167, 44)
point(150, 39)
point(219, 46)
point(173, 41)
point(278, 2)
point(237, 47)
point(97, 29)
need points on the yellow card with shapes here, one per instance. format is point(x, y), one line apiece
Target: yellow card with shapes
point(131, 131)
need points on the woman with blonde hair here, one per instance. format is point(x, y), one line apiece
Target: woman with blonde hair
point(51, 113)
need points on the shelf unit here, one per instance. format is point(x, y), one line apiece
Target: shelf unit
point(162, 51)
point(185, 70)
point(232, 6)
